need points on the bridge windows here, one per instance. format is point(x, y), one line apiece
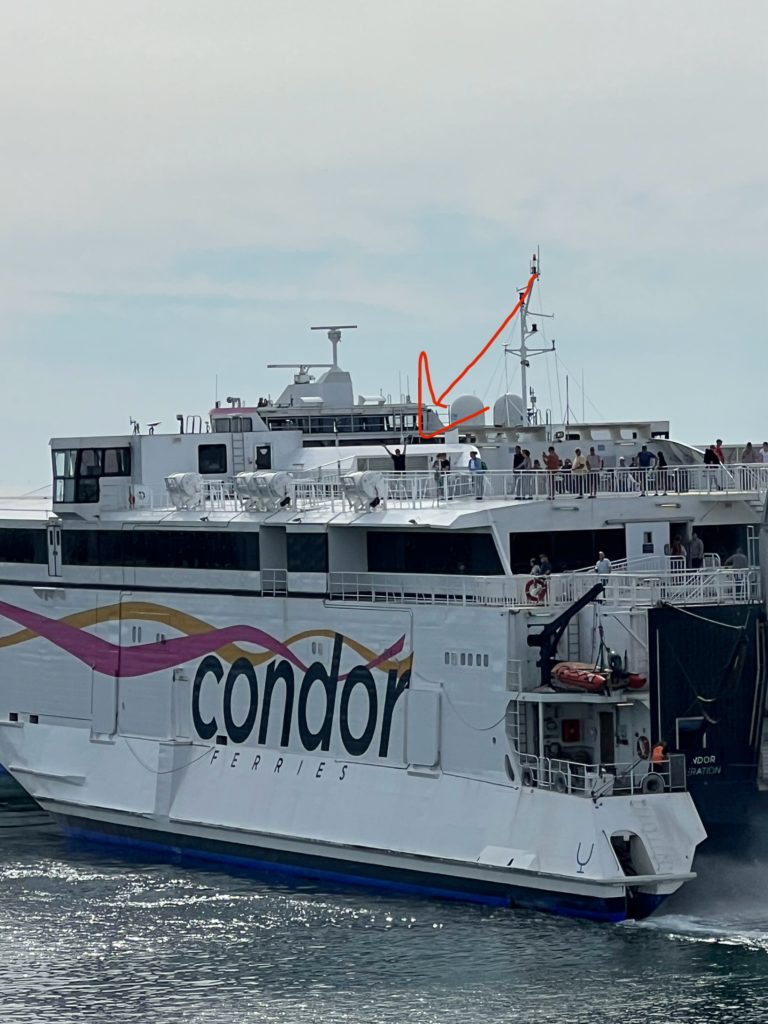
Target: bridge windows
point(77, 471)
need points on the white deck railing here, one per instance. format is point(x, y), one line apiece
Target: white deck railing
point(423, 489)
point(599, 780)
point(693, 586)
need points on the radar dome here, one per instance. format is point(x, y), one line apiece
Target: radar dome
point(508, 411)
point(466, 405)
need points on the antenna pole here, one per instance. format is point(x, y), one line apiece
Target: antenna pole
point(524, 351)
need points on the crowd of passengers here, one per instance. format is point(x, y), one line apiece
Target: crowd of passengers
point(646, 472)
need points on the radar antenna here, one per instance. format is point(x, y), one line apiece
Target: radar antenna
point(334, 336)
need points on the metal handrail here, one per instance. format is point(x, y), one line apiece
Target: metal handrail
point(646, 589)
point(596, 780)
point(323, 485)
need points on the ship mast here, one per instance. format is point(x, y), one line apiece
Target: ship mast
point(524, 351)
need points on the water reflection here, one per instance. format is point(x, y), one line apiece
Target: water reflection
point(85, 936)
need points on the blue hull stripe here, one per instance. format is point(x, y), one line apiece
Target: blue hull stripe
point(420, 883)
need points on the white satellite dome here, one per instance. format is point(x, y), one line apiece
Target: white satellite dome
point(466, 405)
point(508, 411)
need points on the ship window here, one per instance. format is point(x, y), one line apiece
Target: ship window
point(453, 658)
point(23, 546)
point(471, 554)
point(447, 658)
point(485, 661)
point(462, 658)
point(116, 462)
point(221, 424)
point(163, 549)
point(470, 659)
point(212, 458)
point(307, 552)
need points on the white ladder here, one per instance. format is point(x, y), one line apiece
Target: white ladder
point(655, 839)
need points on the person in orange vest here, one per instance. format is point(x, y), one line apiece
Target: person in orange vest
point(659, 752)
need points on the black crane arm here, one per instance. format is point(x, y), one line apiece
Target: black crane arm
point(551, 633)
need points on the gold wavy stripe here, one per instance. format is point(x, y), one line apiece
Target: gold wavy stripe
point(190, 625)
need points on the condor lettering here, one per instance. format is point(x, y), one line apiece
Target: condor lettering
point(307, 708)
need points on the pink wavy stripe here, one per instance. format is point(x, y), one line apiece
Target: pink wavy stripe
point(126, 662)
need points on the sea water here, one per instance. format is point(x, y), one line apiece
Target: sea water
point(86, 935)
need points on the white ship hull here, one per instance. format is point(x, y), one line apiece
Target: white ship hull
point(364, 763)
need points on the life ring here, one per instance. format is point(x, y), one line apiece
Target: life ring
point(527, 778)
point(560, 783)
point(653, 783)
point(536, 590)
point(141, 495)
point(643, 748)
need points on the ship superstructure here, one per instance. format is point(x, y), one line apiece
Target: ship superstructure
point(241, 644)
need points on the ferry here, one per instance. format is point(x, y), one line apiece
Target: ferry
point(303, 634)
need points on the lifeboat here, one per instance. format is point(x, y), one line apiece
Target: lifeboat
point(578, 675)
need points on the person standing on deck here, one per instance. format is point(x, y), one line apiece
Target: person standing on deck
point(594, 465)
point(552, 464)
point(645, 461)
point(749, 455)
point(713, 463)
point(763, 453)
point(696, 551)
point(398, 457)
point(524, 470)
point(517, 465)
point(603, 565)
point(738, 560)
point(477, 468)
point(579, 470)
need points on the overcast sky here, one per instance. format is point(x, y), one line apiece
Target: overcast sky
point(185, 187)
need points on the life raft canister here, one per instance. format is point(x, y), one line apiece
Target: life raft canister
point(536, 590)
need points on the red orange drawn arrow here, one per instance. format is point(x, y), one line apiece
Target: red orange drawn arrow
point(423, 372)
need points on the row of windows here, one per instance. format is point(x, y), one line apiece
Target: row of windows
point(469, 659)
point(232, 424)
point(472, 554)
point(188, 549)
point(164, 549)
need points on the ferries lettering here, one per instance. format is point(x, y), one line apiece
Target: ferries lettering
point(295, 692)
